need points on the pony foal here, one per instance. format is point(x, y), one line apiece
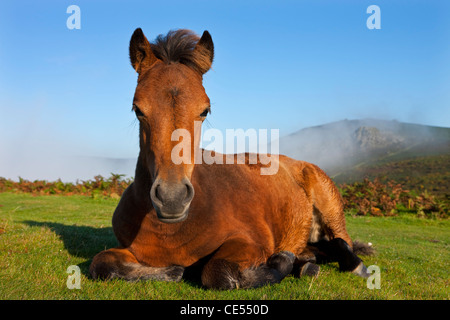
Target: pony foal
point(243, 229)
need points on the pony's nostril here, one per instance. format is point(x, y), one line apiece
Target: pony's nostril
point(189, 193)
point(155, 195)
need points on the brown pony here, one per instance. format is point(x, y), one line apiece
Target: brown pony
point(242, 228)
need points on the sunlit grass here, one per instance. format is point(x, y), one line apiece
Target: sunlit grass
point(40, 237)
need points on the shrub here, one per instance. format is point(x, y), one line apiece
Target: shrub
point(387, 199)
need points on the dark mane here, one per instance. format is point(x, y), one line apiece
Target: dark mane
point(178, 47)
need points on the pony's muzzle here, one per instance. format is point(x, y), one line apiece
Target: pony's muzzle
point(171, 200)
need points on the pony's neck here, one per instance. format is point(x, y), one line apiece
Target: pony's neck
point(143, 178)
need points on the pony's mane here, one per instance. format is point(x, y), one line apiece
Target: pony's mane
point(178, 47)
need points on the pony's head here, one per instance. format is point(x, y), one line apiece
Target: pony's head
point(170, 96)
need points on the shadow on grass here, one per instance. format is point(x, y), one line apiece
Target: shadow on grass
point(86, 242)
point(81, 241)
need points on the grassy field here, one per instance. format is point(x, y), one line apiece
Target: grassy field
point(41, 236)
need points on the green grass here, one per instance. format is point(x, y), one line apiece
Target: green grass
point(40, 237)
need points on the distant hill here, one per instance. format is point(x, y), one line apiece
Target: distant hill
point(349, 150)
point(417, 156)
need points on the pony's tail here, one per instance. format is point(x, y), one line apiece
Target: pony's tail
point(364, 249)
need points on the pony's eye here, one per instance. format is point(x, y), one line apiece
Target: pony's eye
point(205, 113)
point(137, 111)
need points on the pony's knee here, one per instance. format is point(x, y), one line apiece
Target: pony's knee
point(278, 266)
point(223, 274)
point(220, 274)
point(282, 261)
point(120, 263)
point(105, 265)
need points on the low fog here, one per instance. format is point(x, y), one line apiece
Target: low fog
point(66, 168)
point(340, 145)
point(334, 146)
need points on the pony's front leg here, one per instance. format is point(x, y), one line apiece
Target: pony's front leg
point(121, 263)
point(235, 265)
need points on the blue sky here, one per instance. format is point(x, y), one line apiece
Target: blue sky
point(278, 64)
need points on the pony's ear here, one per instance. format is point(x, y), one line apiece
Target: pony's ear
point(141, 55)
point(204, 52)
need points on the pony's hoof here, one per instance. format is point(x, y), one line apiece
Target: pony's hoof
point(361, 271)
point(174, 273)
point(282, 261)
point(309, 269)
point(288, 255)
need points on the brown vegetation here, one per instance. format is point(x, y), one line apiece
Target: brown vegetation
point(379, 198)
point(375, 198)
